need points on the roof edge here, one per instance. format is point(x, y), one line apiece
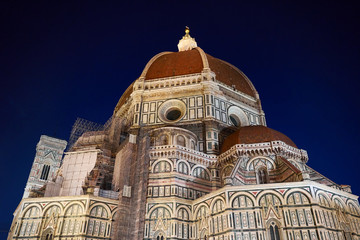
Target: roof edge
point(152, 60)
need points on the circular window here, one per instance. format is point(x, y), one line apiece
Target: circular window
point(172, 110)
point(237, 117)
point(173, 114)
point(234, 120)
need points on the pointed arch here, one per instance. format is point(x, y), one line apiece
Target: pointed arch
point(48, 234)
point(160, 235)
point(273, 227)
point(262, 175)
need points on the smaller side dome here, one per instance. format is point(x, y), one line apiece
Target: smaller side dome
point(255, 134)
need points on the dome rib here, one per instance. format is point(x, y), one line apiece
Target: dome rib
point(124, 97)
point(144, 72)
point(230, 75)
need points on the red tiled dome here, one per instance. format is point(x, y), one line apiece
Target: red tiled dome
point(254, 134)
point(170, 64)
point(175, 64)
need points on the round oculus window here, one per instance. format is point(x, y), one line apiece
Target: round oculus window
point(173, 114)
point(237, 117)
point(172, 110)
point(234, 120)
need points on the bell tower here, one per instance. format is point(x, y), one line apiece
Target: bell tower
point(49, 152)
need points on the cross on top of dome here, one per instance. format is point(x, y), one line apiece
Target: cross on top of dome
point(187, 42)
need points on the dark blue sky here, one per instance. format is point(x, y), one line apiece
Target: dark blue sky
point(60, 61)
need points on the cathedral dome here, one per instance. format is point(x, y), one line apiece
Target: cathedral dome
point(191, 59)
point(255, 134)
point(171, 64)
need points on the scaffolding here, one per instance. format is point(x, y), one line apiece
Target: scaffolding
point(82, 125)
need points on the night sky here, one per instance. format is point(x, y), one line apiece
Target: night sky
point(60, 61)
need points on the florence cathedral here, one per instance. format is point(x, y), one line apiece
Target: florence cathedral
point(187, 154)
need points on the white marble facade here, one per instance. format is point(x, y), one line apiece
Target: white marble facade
point(71, 217)
point(187, 156)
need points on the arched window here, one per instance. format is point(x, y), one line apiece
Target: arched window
point(203, 234)
point(162, 166)
point(323, 201)
point(98, 221)
point(274, 231)
point(48, 234)
point(226, 173)
point(200, 172)
point(160, 217)
point(99, 212)
point(183, 168)
point(152, 141)
point(353, 209)
point(262, 175)
point(218, 206)
point(242, 201)
point(45, 172)
point(193, 145)
point(339, 204)
point(297, 198)
point(163, 140)
point(30, 222)
point(183, 225)
point(180, 140)
point(72, 224)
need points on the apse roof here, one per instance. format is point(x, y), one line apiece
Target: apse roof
point(254, 134)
